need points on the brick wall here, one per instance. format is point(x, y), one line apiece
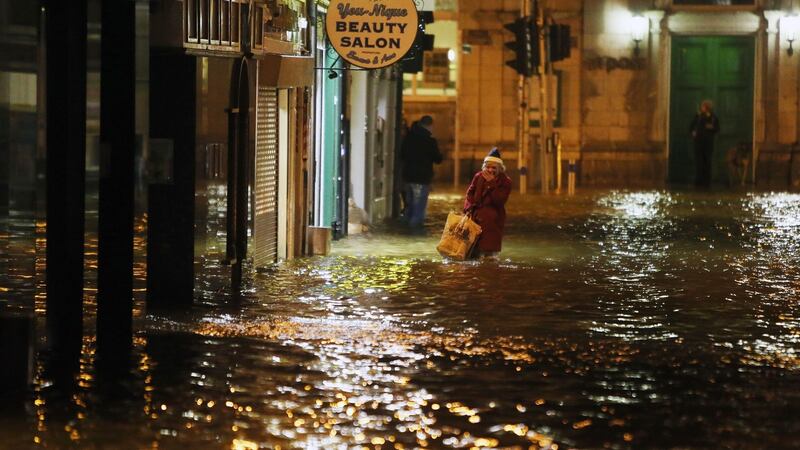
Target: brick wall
point(614, 105)
point(606, 111)
point(487, 102)
point(618, 102)
point(443, 112)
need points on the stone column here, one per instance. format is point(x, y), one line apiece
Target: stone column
point(787, 78)
point(658, 68)
point(766, 84)
point(17, 343)
point(171, 203)
point(65, 42)
point(115, 219)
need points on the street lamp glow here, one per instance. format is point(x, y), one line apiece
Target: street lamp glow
point(640, 26)
point(790, 28)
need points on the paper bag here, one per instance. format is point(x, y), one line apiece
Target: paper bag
point(459, 236)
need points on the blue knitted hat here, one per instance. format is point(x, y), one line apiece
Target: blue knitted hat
point(494, 156)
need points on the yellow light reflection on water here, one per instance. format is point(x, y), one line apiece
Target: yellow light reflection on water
point(243, 444)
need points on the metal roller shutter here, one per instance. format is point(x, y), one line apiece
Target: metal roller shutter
point(265, 229)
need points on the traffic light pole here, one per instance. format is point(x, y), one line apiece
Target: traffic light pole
point(522, 131)
point(537, 44)
point(523, 89)
point(544, 97)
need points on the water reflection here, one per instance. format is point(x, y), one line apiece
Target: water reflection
point(777, 338)
point(612, 319)
point(631, 256)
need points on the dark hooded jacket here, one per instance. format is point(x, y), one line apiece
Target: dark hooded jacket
point(419, 153)
point(704, 127)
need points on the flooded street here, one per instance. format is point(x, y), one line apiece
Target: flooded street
point(612, 319)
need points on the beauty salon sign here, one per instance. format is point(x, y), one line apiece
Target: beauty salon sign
point(372, 33)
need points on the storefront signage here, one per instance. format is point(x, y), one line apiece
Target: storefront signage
point(436, 67)
point(372, 33)
point(609, 64)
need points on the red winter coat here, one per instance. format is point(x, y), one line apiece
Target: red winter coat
point(489, 199)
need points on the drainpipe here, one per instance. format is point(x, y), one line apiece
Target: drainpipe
point(398, 125)
point(344, 166)
point(457, 141)
point(311, 39)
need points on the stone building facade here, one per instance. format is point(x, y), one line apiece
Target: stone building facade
point(623, 105)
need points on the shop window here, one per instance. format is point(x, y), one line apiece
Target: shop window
point(212, 21)
point(285, 21)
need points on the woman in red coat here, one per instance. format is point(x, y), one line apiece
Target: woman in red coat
point(486, 200)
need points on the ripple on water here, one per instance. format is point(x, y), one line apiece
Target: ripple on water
point(621, 319)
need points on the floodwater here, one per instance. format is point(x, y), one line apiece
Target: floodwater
point(612, 319)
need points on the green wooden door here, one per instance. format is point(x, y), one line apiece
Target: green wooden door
point(718, 68)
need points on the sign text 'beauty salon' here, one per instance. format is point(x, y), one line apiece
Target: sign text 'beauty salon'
point(372, 33)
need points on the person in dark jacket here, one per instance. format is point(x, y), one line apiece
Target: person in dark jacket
point(486, 203)
point(419, 153)
point(704, 128)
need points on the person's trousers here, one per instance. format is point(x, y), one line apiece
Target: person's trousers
point(702, 164)
point(417, 203)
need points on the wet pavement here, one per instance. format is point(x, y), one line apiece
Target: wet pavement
point(612, 319)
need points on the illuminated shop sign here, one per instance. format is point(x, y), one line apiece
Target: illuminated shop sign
point(372, 33)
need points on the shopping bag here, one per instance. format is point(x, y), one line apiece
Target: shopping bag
point(459, 236)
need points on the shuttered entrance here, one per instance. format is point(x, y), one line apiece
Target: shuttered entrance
point(265, 223)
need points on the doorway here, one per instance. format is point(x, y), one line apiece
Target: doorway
point(718, 68)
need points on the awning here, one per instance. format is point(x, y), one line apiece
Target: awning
point(285, 71)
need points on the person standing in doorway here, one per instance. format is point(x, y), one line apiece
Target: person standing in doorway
point(704, 128)
point(486, 203)
point(419, 153)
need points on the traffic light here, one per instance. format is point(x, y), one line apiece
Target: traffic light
point(525, 46)
point(560, 45)
point(412, 63)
